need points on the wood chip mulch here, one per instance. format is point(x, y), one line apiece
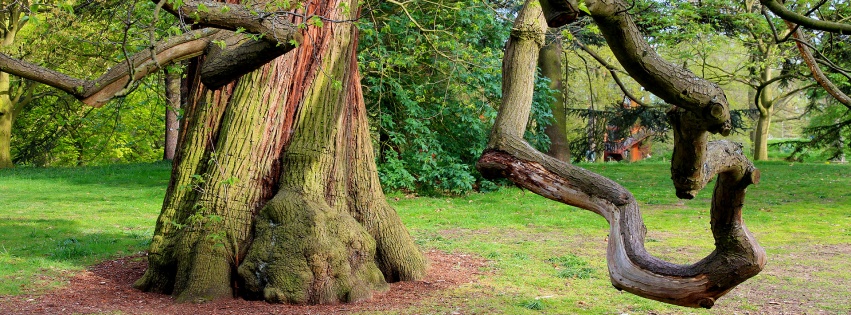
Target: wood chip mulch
point(107, 288)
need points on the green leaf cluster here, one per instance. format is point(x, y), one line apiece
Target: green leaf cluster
point(432, 83)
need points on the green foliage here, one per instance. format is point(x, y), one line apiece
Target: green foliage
point(57, 130)
point(54, 129)
point(433, 93)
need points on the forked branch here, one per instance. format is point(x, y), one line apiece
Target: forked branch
point(737, 256)
point(668, 81)
point(97, 92)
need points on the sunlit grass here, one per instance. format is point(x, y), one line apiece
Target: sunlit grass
point(59, 220)
point(543, 257)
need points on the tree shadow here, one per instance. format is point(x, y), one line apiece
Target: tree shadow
point(141, 175)
point(62, 240)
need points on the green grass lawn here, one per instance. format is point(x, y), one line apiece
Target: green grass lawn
point(543, 257)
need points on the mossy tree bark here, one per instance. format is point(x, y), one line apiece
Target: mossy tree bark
point(7, 117)
point(550, 62)
point(274, 192)
point(695, 161)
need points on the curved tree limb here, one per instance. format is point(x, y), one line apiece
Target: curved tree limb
point(97, 92)
point(670, 82)
point(737, 256)
point(791, 16)
point(818, 75)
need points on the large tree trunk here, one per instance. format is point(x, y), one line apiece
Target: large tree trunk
point(172, 124)
point(274, 189)
point(550, 62)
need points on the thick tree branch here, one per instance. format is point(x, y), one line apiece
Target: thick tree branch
point(237, 17)
point(97, 92)
point(670, 82)
point(240, 55)
point(791, 16)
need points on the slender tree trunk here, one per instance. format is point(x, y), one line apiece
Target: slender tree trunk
point(7, 107)
point(550, 62)
point(274, 193)
point(172, 124)
point(7, 117)
point(760, 137)
point(764, 103)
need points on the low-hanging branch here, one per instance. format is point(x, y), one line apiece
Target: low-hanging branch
point(780, 10)
point(97, 92)
point(737, 256)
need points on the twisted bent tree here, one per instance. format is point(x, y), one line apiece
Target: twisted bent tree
point(701, 108)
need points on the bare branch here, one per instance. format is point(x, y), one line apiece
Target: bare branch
point(674, 84)
point(737, 256)
point(613, 72)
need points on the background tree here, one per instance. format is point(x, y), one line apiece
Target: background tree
point(552, 67)
point(823, 47)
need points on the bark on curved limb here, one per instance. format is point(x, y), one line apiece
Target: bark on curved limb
point(737, 256)
point(817, 74)
point(668, 81)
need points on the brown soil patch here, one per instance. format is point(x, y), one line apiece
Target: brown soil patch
point(107, 288)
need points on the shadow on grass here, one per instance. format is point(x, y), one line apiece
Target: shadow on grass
point(63, 241)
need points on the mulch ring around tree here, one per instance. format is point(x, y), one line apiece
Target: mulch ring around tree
point(107, 288)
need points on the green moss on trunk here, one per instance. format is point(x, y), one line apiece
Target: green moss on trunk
point(294, 130)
